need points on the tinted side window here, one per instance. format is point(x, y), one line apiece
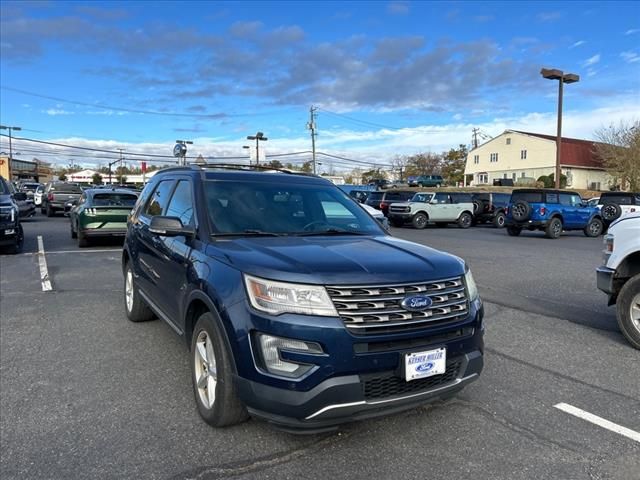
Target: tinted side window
point(461, 198)
point(159, 199)
point(181, 204)
point(552, 198)
point(565, 199)
point(441, 198)
point(531, 197)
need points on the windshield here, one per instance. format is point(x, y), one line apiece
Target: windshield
point(284, 208)
point(114, 200)
point(29, 187)
point(422, 197)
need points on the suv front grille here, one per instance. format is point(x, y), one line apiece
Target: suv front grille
point(392, 385)
point(377, 309)
point(5, 214)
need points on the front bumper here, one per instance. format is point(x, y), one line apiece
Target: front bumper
point(401, 216)
point(605, 277)
point(358, 377)
point(8, 234)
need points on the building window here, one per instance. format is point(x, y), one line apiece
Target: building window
point(513, 176)
point(504, 175)
point(522, 175)
point(483, 178)
point(476, 159)
point(523, 154)
point(494, 157)
point(508, 141)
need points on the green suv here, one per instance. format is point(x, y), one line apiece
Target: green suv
point(101, 213)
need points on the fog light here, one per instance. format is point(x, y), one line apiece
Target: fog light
point(9, 231)
point(271, 348)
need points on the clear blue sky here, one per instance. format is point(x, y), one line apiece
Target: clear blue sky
point(216, 72)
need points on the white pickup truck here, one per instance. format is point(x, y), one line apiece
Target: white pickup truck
point(440, 208)
point(619, 276)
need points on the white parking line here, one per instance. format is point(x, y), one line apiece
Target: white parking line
point(51, 252)
point(44, 271)
point(601, 422)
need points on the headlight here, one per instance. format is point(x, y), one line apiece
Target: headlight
point(14, 214)
point(472, 288)
point(279, 297)
point(271, 348)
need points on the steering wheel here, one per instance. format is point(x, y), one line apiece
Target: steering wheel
point(307, 227)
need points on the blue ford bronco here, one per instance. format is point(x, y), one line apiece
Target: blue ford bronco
point(551, 211)
point(297, 307)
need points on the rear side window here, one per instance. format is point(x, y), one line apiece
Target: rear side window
point(618, 199)
point(159, 199)
point(181, 204)
point(62, 188)
point(441, 198)
point(461, 198)
point(377, 196)
point(552, 198)
point(530, 197)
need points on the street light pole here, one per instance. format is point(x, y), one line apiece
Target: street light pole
point(258, 137)
point(555, 74)
point(17, 129)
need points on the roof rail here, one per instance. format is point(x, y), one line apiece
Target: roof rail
point(244, 167)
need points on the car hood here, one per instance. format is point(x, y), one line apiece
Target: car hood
point(336, 260)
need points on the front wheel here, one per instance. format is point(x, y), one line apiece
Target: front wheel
point(628, 310)
point(212, 375)
point(594, 228)
point(513, 231)
point(499, 220)
point(419, 220)
point(553, 229)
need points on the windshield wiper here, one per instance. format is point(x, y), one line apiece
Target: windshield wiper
point(329, 231)
point(249, 233)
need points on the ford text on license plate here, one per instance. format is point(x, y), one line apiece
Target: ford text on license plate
point(425, 364)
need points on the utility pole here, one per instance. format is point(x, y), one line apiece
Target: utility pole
point(312, 127)
point(16, 129)
point(474, 132)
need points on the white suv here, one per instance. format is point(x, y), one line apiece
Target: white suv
point(614, 205)
point(440, 208)
point(619, 277)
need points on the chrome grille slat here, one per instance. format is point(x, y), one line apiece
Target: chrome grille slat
point(375, 307)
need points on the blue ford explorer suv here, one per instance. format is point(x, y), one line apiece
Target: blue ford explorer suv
point(551, 211)
point(297, 307)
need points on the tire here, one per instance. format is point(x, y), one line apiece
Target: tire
point(42, 210)
point(74, 234)
point(136, 308)
point(594, 228)
point(553, 229)
point(464, 220)
point(396, 223)
point(209, 351)
point(50, 212)
point(478, 207)
point(499, 220)
point(513, 231)
point(83, 241)
point(521, 211)
point(419, 220)
point(628, 310)
point(610, 212)
point(19, 244)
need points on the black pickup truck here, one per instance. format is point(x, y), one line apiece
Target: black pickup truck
point(57, 195)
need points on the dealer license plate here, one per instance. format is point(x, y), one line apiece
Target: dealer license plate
point(425, 364)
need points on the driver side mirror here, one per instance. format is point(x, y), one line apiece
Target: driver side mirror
point(170, 227)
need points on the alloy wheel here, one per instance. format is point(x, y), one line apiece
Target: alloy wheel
point(634, 311)
point(128, 290)
point(205, 369)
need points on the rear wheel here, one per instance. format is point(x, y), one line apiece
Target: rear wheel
point(136, 308)
point(594, 228)
point(513, 231)
point(50, 212)
point(628, 310)
point(83, 241)
point(419, 220)
point(465, 219)
point(212, 375)
point(73, 232)
point(554, 228)
point(499, 220)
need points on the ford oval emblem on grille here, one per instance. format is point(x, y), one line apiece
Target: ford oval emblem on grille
point(416, 303)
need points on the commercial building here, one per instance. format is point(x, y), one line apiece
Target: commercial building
point(525, 156)
point(35, 170)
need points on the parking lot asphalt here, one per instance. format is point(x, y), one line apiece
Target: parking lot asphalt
point(86, 394)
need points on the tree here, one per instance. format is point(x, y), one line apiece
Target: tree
point(307, 167)
point(62, 177)
point(274, 164)
point(399, 165)
point(373, 174)
point(620, 152)
point(96, 179)
point(454, 162)
point(424, 164)
point(121, 179)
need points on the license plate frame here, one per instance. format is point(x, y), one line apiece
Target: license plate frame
point(425, 363)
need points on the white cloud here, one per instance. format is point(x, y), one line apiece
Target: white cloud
point(630, 57)
point(591, 61)
point(632, 31)
point(57, 111)
point(578, 43)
